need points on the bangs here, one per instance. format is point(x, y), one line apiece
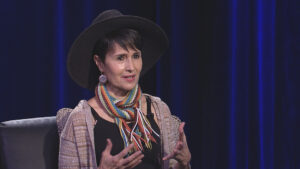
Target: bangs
point(126, 38)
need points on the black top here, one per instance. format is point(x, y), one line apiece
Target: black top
point(105, 129)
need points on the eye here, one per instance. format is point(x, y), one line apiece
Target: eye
point(136, 55)
point(121, 57)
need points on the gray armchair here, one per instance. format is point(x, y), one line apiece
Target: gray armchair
point(29, 144)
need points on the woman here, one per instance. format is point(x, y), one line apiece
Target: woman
point(120, 127)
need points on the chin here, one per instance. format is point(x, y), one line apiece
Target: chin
point(129, 87)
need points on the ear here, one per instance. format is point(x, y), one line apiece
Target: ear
point(99, 63)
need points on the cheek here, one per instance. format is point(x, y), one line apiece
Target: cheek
point(116, 68)
point(116, 71)
point(140, 65)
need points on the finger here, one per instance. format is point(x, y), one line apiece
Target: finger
point(184, 138)
point(125, 151)
point(181, 126)
point(131, 157)
point(108, 146)
point(177, 149)
point(134, 161)
point(181, 131)
point(179, 146)
point(169, 156)
point(137, 163)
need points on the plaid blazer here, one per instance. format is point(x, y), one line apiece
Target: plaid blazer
point(75, 128)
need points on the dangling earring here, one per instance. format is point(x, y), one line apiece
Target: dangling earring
point(102, 79)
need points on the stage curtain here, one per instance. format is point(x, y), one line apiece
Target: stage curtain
point(231, 71)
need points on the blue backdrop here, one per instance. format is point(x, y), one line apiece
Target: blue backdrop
point(232, 71)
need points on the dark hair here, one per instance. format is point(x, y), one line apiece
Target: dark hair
point(124, 37)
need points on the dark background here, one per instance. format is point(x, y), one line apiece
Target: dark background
point(231, 72)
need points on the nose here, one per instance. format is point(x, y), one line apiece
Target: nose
point(129, 65)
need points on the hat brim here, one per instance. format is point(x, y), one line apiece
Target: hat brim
point(80, 63)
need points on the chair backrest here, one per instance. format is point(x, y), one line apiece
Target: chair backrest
point(29, 144)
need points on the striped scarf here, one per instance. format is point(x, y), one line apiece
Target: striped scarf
point(128, 110)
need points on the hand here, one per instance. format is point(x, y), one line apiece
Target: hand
point(118, 161)
point(181, 152)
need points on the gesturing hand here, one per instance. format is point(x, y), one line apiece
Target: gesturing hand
point(118, 161)
point(181, 152)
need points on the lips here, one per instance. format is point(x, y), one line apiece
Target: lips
point(129, 78)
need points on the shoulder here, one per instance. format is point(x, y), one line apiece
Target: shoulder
point(156, 100)
point(153, 98)
point(67, 116)
point(162, 109)
point(159, 105)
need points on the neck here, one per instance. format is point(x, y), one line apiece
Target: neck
point(116, 93)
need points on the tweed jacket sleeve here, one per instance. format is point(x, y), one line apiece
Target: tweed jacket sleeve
point(76, 148)
point(67, 152)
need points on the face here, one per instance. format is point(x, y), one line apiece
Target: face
point(122, 68)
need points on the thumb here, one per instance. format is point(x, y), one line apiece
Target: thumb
point(181, 131)
point(181, 126)
point(108, 146)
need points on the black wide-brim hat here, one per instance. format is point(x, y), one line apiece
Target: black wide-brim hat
point(80, 63)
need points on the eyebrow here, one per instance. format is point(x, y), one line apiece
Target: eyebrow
point(138, 52)
point(124, 53)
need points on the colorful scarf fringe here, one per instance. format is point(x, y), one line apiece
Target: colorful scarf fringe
point(128, 110)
